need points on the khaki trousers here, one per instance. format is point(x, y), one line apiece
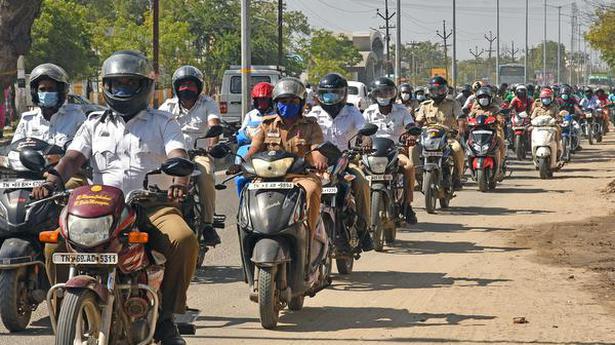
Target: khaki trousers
point(170, 236)
point(409, 172)
point(313, 190)
point(207, 191)
point(362, 193)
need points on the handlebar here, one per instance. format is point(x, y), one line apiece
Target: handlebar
point(56, 196)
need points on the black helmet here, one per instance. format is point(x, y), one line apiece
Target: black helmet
point(530, 89)
point(503, 88)
point(187, 72)
point(467, 88)
point(588, 90)
point(484, 92)
point(332, 93)
point(405, 87)
point(133, 65)
point(53, 72)
point(383, 90)
point(438, 89)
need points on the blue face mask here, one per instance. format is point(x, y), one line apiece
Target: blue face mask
point(288, 111)
point(48, 99)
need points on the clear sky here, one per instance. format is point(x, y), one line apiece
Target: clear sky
point(421, 19)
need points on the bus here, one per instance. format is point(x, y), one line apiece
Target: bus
point(512, 73)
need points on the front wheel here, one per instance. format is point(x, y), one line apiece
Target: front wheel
point(14, 307)
point(520, 150)
point(567, 149)
point(80, 318)
point(590, 136)
point(345, 265)
point(482, 179)
point(544, 168)
point(377, 212)
point(430, 192)
point(268, 297)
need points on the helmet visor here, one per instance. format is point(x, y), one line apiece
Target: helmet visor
point(438, 90)
point(385, 92)
point(331, 96)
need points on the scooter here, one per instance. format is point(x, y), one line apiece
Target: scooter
point(544, 146)
point(23, 281)
point(481, 150)
point(521, 128)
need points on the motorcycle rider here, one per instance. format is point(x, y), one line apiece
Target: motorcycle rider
point(54, 120)
point(405, 97)
point(470, 100)
point(589, 101)
point(195, 112)
point(123, 144)
point(443, 111)
point(419, 95)
point(339, 122)
point(604, 102)
point(546, 106)
point(289, 130)
point(521, 102)
point(466, 91)
point(567, 101)
point(392, 119)
point(485, 106)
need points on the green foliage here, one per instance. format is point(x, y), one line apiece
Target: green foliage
point(326, 53)
point(62, 35)
point(601, 35)
point(420, 59)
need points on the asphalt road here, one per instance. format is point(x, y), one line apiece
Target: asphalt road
point(455, 278)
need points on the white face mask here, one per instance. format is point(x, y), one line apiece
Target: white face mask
point(405, 97)
point(420, 98)
point(483, 101)
point(383, 101)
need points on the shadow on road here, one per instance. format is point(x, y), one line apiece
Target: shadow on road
point(488, 211)
point(218, 275)
point(435, 247)
point(393, 280)
point(37, 327)
point(448, 227)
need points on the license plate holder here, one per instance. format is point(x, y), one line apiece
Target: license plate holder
point(433, 154)
point(85, 259)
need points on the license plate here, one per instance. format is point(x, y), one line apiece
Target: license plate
point(21, 184)
point(85, 259)
point(588, 115)
point(329, 190)
point(379, 177)
point(432, 153)
point(271, 185)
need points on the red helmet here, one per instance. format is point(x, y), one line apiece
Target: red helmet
point(262, 90)
point(546, 93)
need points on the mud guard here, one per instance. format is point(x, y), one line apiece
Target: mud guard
point(17, 252)
point(543, 152)
point(269, 252)
point(90, 283)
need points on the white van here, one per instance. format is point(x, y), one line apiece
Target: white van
point(357, 95)
point(230, 94)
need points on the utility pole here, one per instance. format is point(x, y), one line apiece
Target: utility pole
point(544, 50)
point(444, 36)
point(155, 47)
point(579, 55)
point(413, 63)
point(398, 45)
point(476, 55)
point(527, 28)
point(489, 39)
point(387, 27)
point(280, 33)
point(497, 45)
point(245, 57)
point(455, 46)
point(573, 24)
point(559, 44)
point(513, 52)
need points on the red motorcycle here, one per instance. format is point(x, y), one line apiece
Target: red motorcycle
point(112, 294)
point(481, 149)
point(522, 135)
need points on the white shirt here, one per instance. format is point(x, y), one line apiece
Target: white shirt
point(340, 129)
point(391, 126)
point(252, 120)
point(60, 128)
point(122, 153)
point(193, 122)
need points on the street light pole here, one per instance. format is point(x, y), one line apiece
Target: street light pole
point(280, 33)
point(559, 44)
point(544, 50)
point(497, 45)
point(245, 57)
point(455, 45)
point(398, 45)
point(527, 51)
point(155, 45)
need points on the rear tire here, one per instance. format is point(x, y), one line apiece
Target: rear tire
point(377, 210)
point(14, 299)
point(430, 193)
point(76, 305)
point(268, 304)
point(482, 179)
point(543, 167)
point(520, 147)
point(590, 134)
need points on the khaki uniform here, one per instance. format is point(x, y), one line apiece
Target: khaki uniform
point(493, 109)
point(444, 113)
point(299, 138)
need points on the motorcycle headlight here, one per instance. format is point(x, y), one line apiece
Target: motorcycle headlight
point(267, 169)
point(378, 165)
point(89, 232)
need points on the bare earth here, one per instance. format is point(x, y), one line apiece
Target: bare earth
point(459, 277)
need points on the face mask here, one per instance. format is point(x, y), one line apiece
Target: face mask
point(288, 111)
point(405, 97)
point(546, 101)
point(263, 105)
point(420, 98)
point(187, 95)
point(565, 97)
point(48, 99)
point(383, 101)
point(483, 101)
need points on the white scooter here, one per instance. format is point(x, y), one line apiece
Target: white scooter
point(544, 146)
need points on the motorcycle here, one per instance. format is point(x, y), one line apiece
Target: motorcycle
point(570, 137)
point(438, 167)
point(593, 126)
point(339, 209)
point(23, 281)
point(481, 149)
point(521, 128)
point(282, 263)
point(112, 294)
point(544, 146)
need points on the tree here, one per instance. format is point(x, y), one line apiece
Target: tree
point(326, 53)
point(601, 34)
point(535, 60)
point(62, 31)
point(425, 55)
point(16, 18)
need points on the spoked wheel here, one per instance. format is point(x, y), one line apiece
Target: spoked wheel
point(377, 213)
point(80, 319)
point(14, 308)
point(430, 192)
point(268, 297)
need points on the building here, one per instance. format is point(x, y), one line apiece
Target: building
point(371, 48)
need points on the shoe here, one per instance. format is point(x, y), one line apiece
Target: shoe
point(457, 185)
point(342, 247)
point(210, 236)
point(168, 334)
point(410, 216)
point(366, 242)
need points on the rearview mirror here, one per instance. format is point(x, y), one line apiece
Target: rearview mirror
point(178, 166)
point(368, 130)
point(330, 151)
point(32, 160)
point(220, 150)
point(214, 131)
